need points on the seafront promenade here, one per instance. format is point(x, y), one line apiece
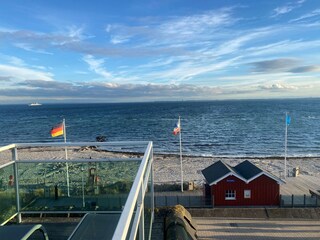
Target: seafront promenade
point(252, 229)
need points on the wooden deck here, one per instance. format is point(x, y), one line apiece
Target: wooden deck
point(300, 185)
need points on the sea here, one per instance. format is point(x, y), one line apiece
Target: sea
point(229, 128)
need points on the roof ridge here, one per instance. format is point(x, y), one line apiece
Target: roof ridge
point(227, 165)
point(265, 171)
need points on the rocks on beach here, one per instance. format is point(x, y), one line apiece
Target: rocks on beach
point(167, 167)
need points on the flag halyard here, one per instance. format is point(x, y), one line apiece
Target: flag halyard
point(57, 130)
point(176, 130)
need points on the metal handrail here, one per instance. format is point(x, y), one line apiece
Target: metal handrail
point(127, 213)
point(78, 160)
point(70, 144)
point(77, 144)
point(6, 164)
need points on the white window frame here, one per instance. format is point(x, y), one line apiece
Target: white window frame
point(230, 194)
point(247, 193)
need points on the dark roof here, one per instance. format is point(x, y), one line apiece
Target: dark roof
point(245, 171)
point(215, 171)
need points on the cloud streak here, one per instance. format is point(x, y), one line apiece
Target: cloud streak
point(283, 65)
point(107, 91)
point(29, 48)
point(96, 65)
point(287, 8)
point(307, 16)
point(24, 73)
point(274, 65)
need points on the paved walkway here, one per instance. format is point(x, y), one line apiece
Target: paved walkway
point(260, 229)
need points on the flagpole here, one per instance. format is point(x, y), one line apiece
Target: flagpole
point(66, 152)
point(285, 147)
point(181, 157)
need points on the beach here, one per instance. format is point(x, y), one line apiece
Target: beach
point(167, 166)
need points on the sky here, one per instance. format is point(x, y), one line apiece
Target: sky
point(168, 50)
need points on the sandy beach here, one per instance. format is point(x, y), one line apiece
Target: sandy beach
point(167, 167)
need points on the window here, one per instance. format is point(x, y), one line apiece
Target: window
point(247, 193)
point(230, 195)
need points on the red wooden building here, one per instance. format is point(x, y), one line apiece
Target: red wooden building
point(242, 185)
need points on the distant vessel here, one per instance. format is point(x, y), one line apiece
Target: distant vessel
point(35, 104)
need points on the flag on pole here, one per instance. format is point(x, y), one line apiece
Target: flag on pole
point(288, 120)
point(177, 128)
point(57, 130)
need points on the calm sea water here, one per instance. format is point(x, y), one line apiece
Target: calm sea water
point(215, 128)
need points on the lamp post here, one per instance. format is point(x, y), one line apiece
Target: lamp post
point(83, 203)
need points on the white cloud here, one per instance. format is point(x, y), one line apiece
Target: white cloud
point(312, 14)
point(287, 8)
point(279, 86)
point(75, 32)
point(108, 28)
point(286, 46)
point(96, 65)
point(16, 61)
point(192, 25)
point(174, 31)
point(117, 39)
point(28, 47)
point(24, 73)
point(108, 91)
point(283, 10)
point(159, 63)
point(12, 60)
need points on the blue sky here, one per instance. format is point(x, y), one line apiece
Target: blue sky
point(120, 51)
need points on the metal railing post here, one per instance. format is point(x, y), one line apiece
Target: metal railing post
point(152, 195)
point(16, 183)
point(152, 187)
point(141, 204)
point(280, 201)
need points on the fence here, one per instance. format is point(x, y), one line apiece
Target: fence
point(299, 201)
point(198, 201)
point(189, 201)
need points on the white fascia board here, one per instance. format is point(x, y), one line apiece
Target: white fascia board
point(278, 180)
point(227, 175)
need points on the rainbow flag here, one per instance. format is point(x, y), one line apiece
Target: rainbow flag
point(57, 130)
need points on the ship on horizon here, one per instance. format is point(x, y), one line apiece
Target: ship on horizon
point(34, 104)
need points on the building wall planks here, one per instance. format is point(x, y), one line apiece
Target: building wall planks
point(264, 192)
